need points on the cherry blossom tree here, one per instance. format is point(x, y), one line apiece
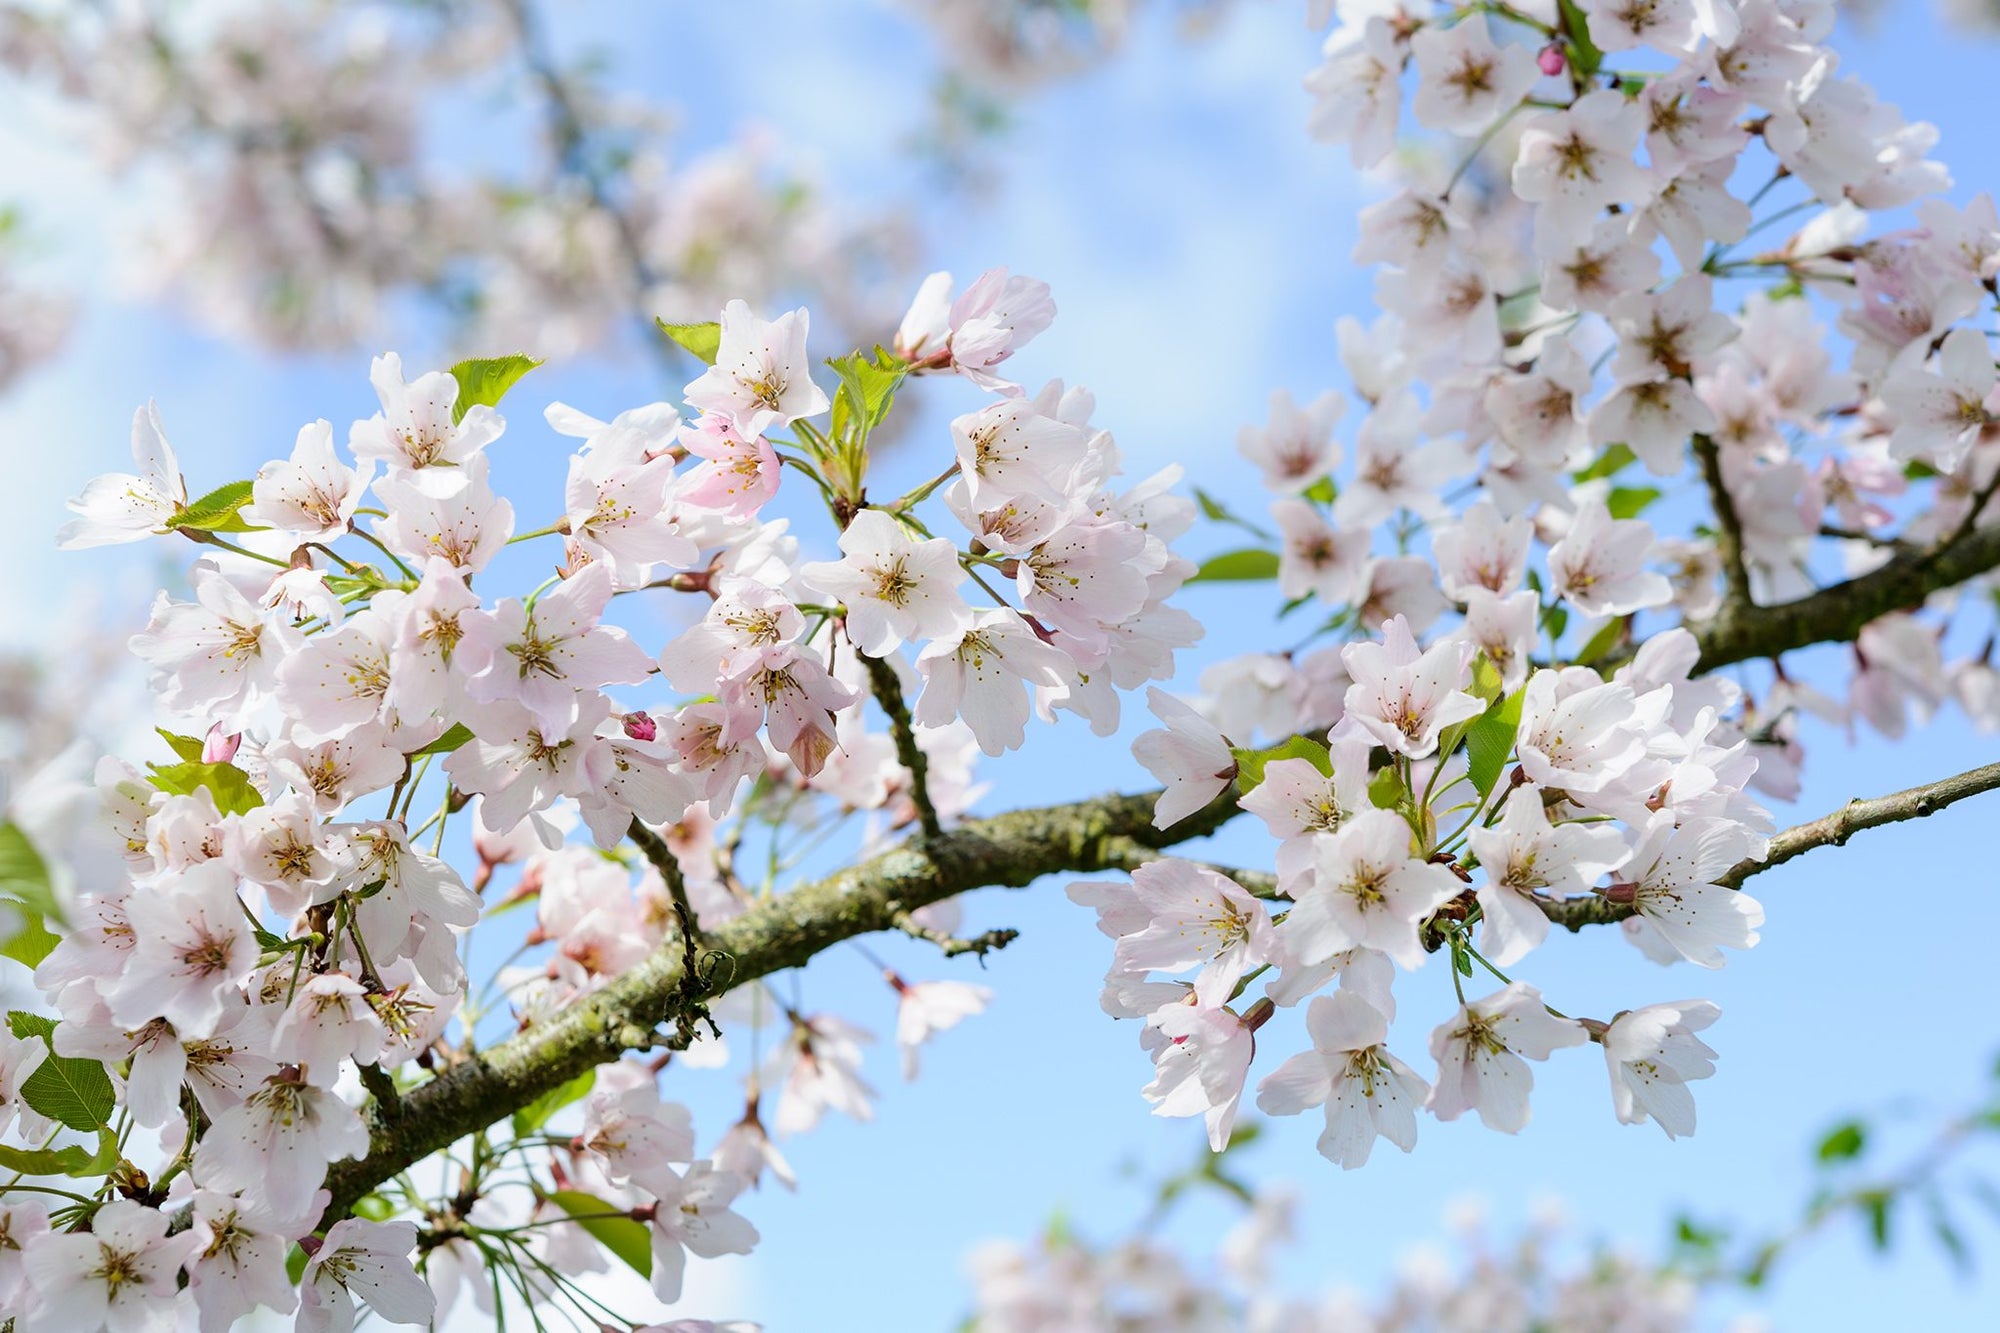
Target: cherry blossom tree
point(1497, 704)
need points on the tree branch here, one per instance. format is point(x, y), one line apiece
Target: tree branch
point(1010, 850)
point(1835, 829)
point(888, 691)
point(1836, 614)
point(1827, 831)
point(1729, 540)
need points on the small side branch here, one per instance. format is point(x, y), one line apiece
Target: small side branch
point(888, 690)
point(1835, 829)
point(1729, 540)
point(693, 981)
point(951, 945)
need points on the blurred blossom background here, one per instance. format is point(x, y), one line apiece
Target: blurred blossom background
point(230, 208)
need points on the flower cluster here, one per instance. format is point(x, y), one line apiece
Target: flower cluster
point(1517, 731)
point(283, 932)
point(304, 198)
point(1064, 1282)
point(1503, 713)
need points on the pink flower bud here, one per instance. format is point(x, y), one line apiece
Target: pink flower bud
point(219, 746)
point(641, 727)
point(1550, 58)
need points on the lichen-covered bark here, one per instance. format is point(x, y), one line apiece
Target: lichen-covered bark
point(1010, 850)
point(1013, 850)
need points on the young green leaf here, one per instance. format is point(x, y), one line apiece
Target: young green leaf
point(620, 1235)
point(24, 876)
point(32, 942)
point(1630, 501)
point(1603, 641)
point(1613, 459)
point(216, 511)
point(457, 735)
point(24, 1024)
point(228, 784)
point(1250, 764)
point(1843, 1143)
point(702, 341)
point(76, 1092)
point(537, 1112)
point(187, 747)
point(483, 382)
point(1489, 740)
point(1238, 567)
point(1385, 789)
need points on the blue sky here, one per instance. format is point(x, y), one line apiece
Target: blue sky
point(1197, 244)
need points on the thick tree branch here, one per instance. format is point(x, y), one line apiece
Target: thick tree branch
point(1010, 850)
point(1836, 614)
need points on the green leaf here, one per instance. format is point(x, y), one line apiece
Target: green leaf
point(1486, 681)
point(1250, 763)
point(1601, 642)
point(867, 391)
point(1489, 740)
point(537, 1112)
point(374, 1207)
point(1555, 619)
point(187, 747)
point(483, 383)
point(1630, 501)
point(24, 876)
point(216, 511)
point(1323, 491)
point(68, 1161)
point(1584, 56)
point(24, 1024)
point(1844, 1143)
point(1877, 1206)
point(1385, 789)
point(702, 341)
point(1238, 567)
point(228, 784)
point(76, 1092)
point(33, 942)
point(620, 1235)
point(295, 1264)
point(458, 735)
point(1613, 459)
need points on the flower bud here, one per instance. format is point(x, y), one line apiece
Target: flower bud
point(219, 746)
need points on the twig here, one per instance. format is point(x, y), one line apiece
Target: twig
point(693, 985)
point(888, 691)
point(1835, 829)
point(1729, 541)
point(951, 945)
